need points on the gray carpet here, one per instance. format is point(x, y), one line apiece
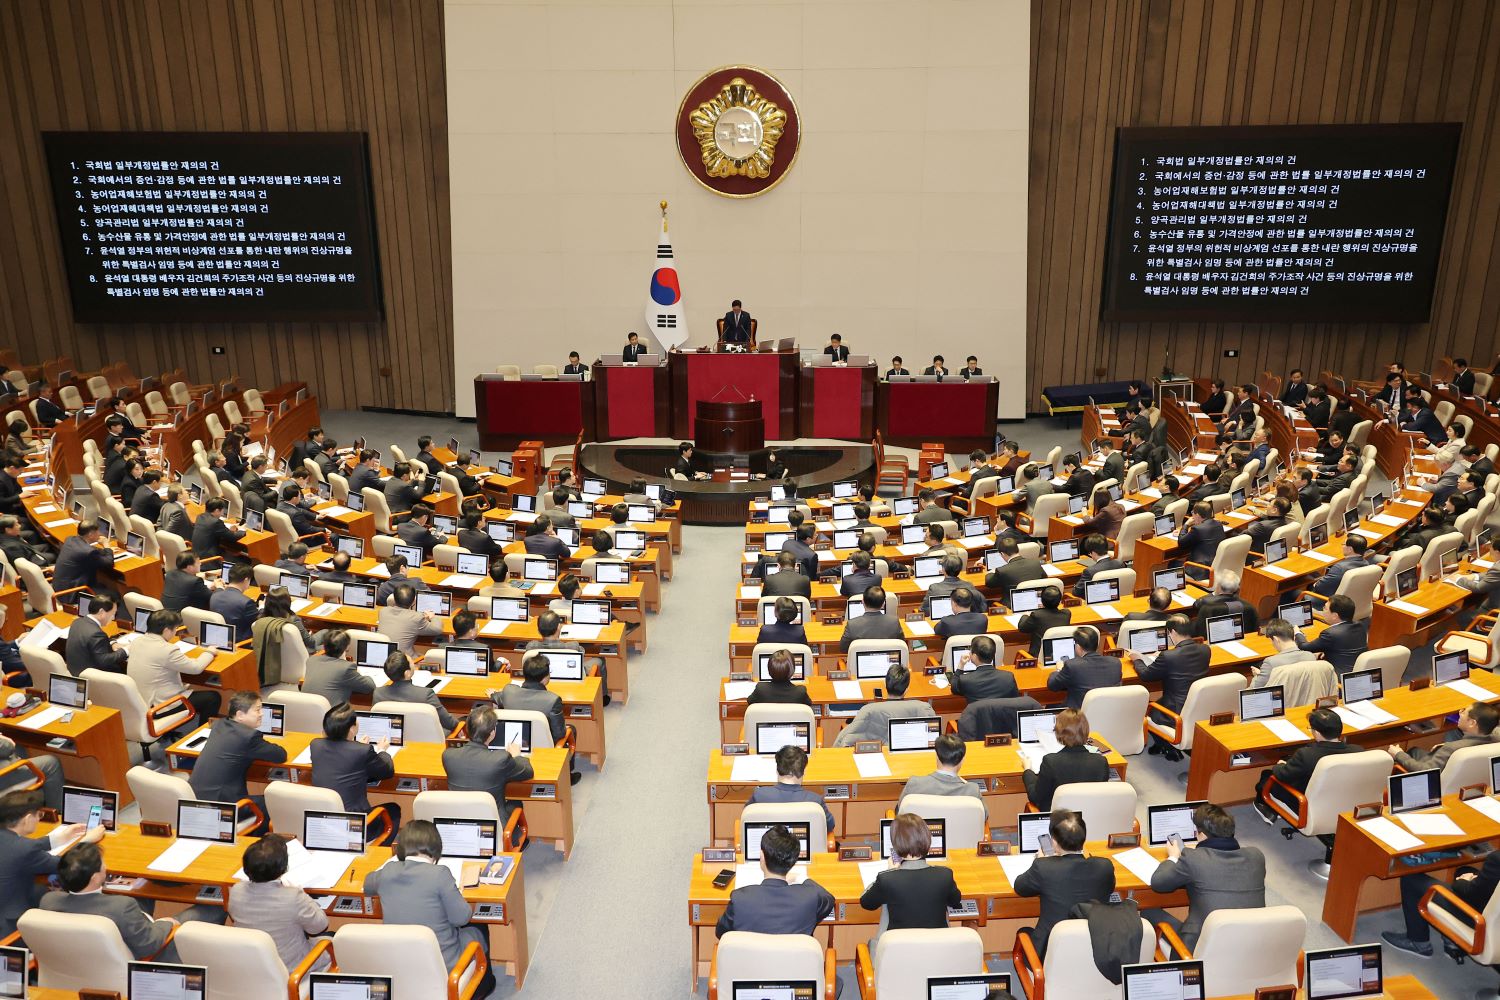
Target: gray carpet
point(612, 922)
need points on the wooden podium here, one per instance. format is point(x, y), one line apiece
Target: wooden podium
point(735, 427)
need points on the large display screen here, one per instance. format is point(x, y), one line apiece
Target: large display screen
point(1306, 222)
point(215, 227)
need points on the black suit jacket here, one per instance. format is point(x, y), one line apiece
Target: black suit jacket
point(1013, 574)
point(1340, 644)
point(839, 353)
point(210, 536)
point(48, 413)
point(1464, 381)
point(1200, 542)
point(1064, 767)
point(856, 583)
point(771, 693)
point(1063, 882)
point(776, 907)
point(786, 585)
point(1261, 530)
point(805, 554)
point(1297, 770)
point(1036, 623)
point(983, 682)
point(1216, 605)
point(632, 352)
point(78, 564)
point(219, 775)
point(184, 590)
point(348, 767)
point(1317, 414)
point(962, 623)
point(736, 328)
point(1177, 668)
point(474, 540)
point(916, 895)
point(1080, 483)
point(777, 632)
point(88, 646)
point(1082, 674)
point(1294, 395)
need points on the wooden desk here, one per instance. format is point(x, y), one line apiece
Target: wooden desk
point(1396, 988)
point(135, 572)
point(97, 755)
point(547, 797)
point(1213, 775)
point(859, 804)
point(999, 912)
point(1359, 857)
point(1402, 626)
point(658, 533)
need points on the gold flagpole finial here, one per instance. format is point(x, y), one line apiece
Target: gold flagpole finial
point(664, 215)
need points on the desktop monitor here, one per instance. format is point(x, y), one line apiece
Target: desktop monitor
point(1276, 550)
point(1409, 790)
point(347, 986)
point(1237, 498)
point(845, 488)
point(374, 726)
point(938, 470)
point(467, 838)
point(569, 536)
point(467, 661)
point(913, 534)
point(272, 719)
point(975, 527)
point(539, 568)
point(444, 525)
point(70, 692)
point(1173, 817)
point(993, 560)
point(412, 554)
point(902, 506)
point(1337, 973)
point(359, 595)
point(872, 664)
point(635, 541)
point(333, 831)
point(523, 503)
point(1360, 685)
point(297, 585)
point(1077, 503)
point(1317, 535)
point(1262, 703)
point(580, 508)
point(509, 609)
point(754, 831)
point(1406, 581)
point(1148, 641)
point(1447, 667)
point(768, 612)
point(776, 989)
point(912, 734)
point(1351, 520)
point(1164, 525)
point(1172, 579)
point(641, 513)
point(79, 802)
point(846, 538)
point(372, 652)
point(854, 607)
point(594, 487)
point(938, 607)
point(1033, 725)
point(352, 544)
point(142, 618)
point(199, 820)
point(772, 736)
point(763, 666)
point(471, 564)
point(937, 827)
point(1181, 980)
point(780, 513)
point(355, 502)
point(135, 543)
point(1025, 599)
point(164, 981)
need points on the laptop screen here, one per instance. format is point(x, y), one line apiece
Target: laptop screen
point(1335, 973)
point(1447, 667)
point(500, 531)
point(938, 828)
point(359, 595)
point(509, 609)
point(1361, 685)
point(164, 981)
point(1033, 725)
point(763, 666)
point(606, 571)
point(1298, 614)
point(434, 602)
point(1175, 817)
point(872, 664)
point(467, 661)
point(345, 986)
point(198, 820)
point(217, 636)
point(979, 986)
point(1414, 790)
point(768, 613)
point(79, 801)
point(1262, 703)
point(1225, 628)
point(333, 831)
point(372, 652)
point(1163, 981)
point(1148, 640)
point(927, 566)
point(1063, 550)
point(374, 726)
point(913, 734)
point(72, 692)
point(902, 506)
point(772, 736)
point(467, 838)
point(1276, 550)
point(755, 831)
point(352, 544)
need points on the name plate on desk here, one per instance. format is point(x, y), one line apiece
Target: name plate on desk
point(1220, 718)
point(734, 749)
point(855, 854)
point(993, 848)
point(997, 740)
point(933, 671)
point(151, 828)
point(868, 746)
point(718, 855)
point(1418, 683)
point(740, 677)
point(1121, 840)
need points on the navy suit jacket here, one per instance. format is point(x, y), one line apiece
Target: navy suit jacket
point(776, 907)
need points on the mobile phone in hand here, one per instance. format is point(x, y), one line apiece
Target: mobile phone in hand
point(1044, 843)
point(1174, 840)
point(96, 816)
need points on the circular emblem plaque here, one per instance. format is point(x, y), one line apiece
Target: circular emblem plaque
point(738, 131)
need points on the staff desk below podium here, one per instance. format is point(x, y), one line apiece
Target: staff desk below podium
point(960, 414)
point(509, 411)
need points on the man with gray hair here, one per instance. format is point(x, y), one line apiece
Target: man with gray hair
point(1225, 600)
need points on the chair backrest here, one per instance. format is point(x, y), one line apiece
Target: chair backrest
point(266, 575)
point(232, 411)
point(76, 951)
point(1243, 950)
point(156, 405)
point(117, 691)
point(339, 487)
point(180, 393)
point(231, 492)
point(802, 602)
point(147, 531)
point(422, 723)
point(157, 794)
point(329, 590)
point(546, 371)
point(1107, 806)
point(304, 711)
point(293, 655)
point(1207, 696)
point(1310, 520)
point(98, 386)
point(1066, 631)
point(446, 556)
point(1231, 554)
point(281, 525)
point(39, 593)
point(512, 372)
point(1399, 562)
point(378, 508)
point(1359, 585)
point(171, 545)
point(1359, 435)
point(455, 805)
point(1135, 527)
point(366, 947)
point(1432, 556)
point(287, 802)
point(897, 646)
point(1342, 781)
point(743, 956)
point(41, 663)
point(384, 546)
point(1287, 533)
point(1116, 714)
point(1047, 507)
point(541, 730)
point(1469, 766)
point(1391, 660)
point(242, 962)
point(1125, 576)
point(787, 812)
point(1337, 504)
point(965, 816)
point(1069, 965)
point(314, 470)
point(397, 453)
point(70, 397)
point(771, 714)
point(253, 401)
point(448, 483)
point(194, 618)
point(906, 959)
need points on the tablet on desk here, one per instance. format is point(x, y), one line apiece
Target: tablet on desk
point(912, 734)
point(754, 831)
point(937, 827)
point(1163, 981)
point(78, 801)
point(509, 609)
point(333, 831)
point(1337, 973)
point(467, 661)
point(979, 986)
point(372, 652)
point(165, 981)
point(770, 737)
point(346, 986)
point(375, 726)
point(1175, 817)
point(359, 595)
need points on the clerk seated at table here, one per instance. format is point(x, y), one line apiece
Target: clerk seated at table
point(971, 368)
point(873, 624)
point(1476, 728)
point(398, 668)
point(968, 617)
point(836, 349)
point(788, 580)
point(977, 678)
point(872, 721)
point(897, 367)
point(350, 766)
point(944, 779)
point(937, 367)
point(234, 744)
point(779, 690)
point(1297, 770)
point(1343, 641)
point(1474, 886)
point(783, 630)
point(633, 349)
point(1085, 671)
point(82, 874)
point(684, 465)
point(791, 765)
point(1050, 615)
point(1073, 763)
point(737, 327)
point(863, 576)
point(574, 365)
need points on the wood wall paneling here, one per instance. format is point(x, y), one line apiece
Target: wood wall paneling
point(1101, 64)
point(373, 66)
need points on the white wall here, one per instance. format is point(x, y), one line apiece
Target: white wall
point(902, 225)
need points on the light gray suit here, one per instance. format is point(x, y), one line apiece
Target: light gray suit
point(416, 892)
point(403, 625)
point(939, 783)
point(530, 697)
point(1036, 489)
point(141, 934)
point(157, 667)
point(1215, 880)
point(335, 679)
point(1418, 759)
point(1488, 584)
point(870, 722)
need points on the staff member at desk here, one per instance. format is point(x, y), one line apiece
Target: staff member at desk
point(349, 766)
point(233, 745)
point(24, 855)
point(478, 767)
point(633, 349)
point(836, 349)
point(911, 893)
point(897, 367)
point(684, 465)
point(574, 366)
point(970, 368)
point(936, 368)
point(736, 325)
point(1074, 763)
point(414, 889)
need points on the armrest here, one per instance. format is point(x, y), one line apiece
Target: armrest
point(713, 976)
point(1208, 570)
point(1165, 935)
point(1312, 595)
point(1024, 522)
point(864, 971)
point(1176, 720)
point(169, 708)
point(167, 943)
point(1452, 902)
point(254, 809)
point(296, 976)
point(830, 976)
point(23, 764)
point(381, 813)
point(515, 830)
point(1300, 819)
point(10, 939)
point(570, 736)
point(472, 962)
point(1028, 968)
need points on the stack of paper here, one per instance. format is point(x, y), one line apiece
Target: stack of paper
point(870, 870)
point(177, 857)
point(494, 628)
point(461, 581)
point(753, 768)
point(1373, 712)
point(749, 873)
point(1322, 557)
point(1014, 621)
point(735, 690)
point(912, 548)
point(1181, 599)
point(337, 510)
point(1469, 689)
point(1388, 833)
point(1139, 862)
point(544, 588)
point(922, 629)
point(1425, 824)
point(870, 765)
point(1015, 865)
point(938, 681)
point(303, 759)
point(379, 569)
point(45, 634)
point(582, 633)
point(1107, 611)
point(1284, 730)
point(1486, 805)
point(375, 674)
point(848, 691)
point(1152, 492)
point(1051, 570)
point(1407, 606)
point(1238, 650)
point(1372, 535)
point(1277, 571)
point(1352, 719)
point(1387, 520)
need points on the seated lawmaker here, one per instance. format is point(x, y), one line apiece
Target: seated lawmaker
point(1343, 641)
point(398, 669)
point(873, 624)
point(977, 678)
point(1050, 615)
point(349, 766)
point(836, 349)
point(944, 780)
point(1297, 770)
point(633, 349)
point(1217, 872)
point(791, 765)
point(936, 368)
point(24, 855)
point(479, 767)
point(1302, 677)
point(1097, 556)
point(912, 893)
point(1473, 886)
point(234, 744)
point(87, 645)
point(968, 617)
point(783, 630)
point(775, 905)
point(1085, 671)
point(1072, 764)
point(265, 903)
point(872, 721)
point(862, 577)
point(779, 690)
point(1064, 877)
point(788, 580)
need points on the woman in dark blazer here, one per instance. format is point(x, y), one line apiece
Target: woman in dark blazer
point(913, 893)
point(1073, 763)
point(780, 690)
point(782, 630)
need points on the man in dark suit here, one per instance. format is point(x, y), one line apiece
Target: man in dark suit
point(1420, 420)
point(1214, 483)
point(146, 503)
point(1050, 615)
point(88, 646)
point(858, 580)
point(633, 349)
point(784, 629)
point(1080, 481)
point(937, 367)
point(10, 485)
point(779, 690)
point(1086, 670)
point(1473, 886)
point(968, 616)
point(1317, 410)
point(873, 624)
point(836, 349)
point(1356, 552)
point(801, 546)
point(478, 767)
point(929, 510)
point(15, 546)
point(1225, 600)
point(332, 674)
point(791, 765)
point(366, 473)
point(1177, 667)
point(233, 604)
point(211, 536)
point(1294, 392)
point(776, 906)
point(348, 766)
point(1342, 478)
point(897, 368)
point(977, 677)
point(1463, 377)
point(303, 521)
point(401, 491)
point(1263, 527)
point(1200, 537)
point(306, 449)
point(1158, 607)
point(788, 580)
point(979, 468)
point(183, 587)
point(1016, 570)
point(417, 531)
point(1217, 872)
point(24, 855)
point(1113, 465)
point(971, 368)
point(952, 579)
point(48, 413)
point(256, 484)
point(531, 695)
point(574, 366)
point(1297, 770)
point(473, 538)
point(1343, 641)
point(737, 328)
point(234, 743)
point(81, 558)
point(557, 508)
point(541, 540)
point(1064, 879)
point(684, 464)
point(1095, 554)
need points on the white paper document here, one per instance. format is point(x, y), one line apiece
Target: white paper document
point(177, 857)
point(1388, 833)
point(1015, 865)
point(594, 589)
point(870, 765)
point(544, 588)
point(1374, 536)
point(582, 633)
point(912, 548)
point(750, 592)
point(378, 570)
point(1387, 520)
point(1373, 712)
point(1431, 824)
point(737, 690)
point(462, 581)
point(922, 629)
point(1407, 606)
point(320, 869)
point(1051, 570)
point(1322, 557)
point(337, 510)
point(1106, 611)
point(869, 871)
point(753, 768)
point(376, 674)
point(304, 758)
point(493, 628)
point(1014, 621)
point(1277, 571)
point(749, 873)
point(1181, 599)
point(1238, 650)
point(1285, 730)
point(45, 634)
point(1152, 492)
point(46, 716)
point(1490, 807)
point(1469, 689)
point(848, 691)
point(301, 604)
point(1353, 720)
point(1139, 862)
